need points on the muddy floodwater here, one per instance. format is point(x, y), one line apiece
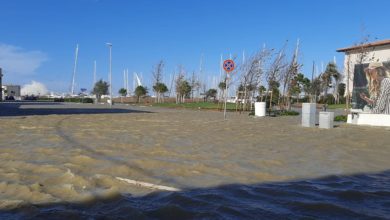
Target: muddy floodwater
point(72, 161)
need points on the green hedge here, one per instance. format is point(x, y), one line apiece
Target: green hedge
point(288, 113)
point(278, 113)
point(73, 99)
point(340, 118)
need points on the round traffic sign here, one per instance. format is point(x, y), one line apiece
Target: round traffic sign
point(228, 65)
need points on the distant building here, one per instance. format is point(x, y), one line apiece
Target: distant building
point(1, 85)
point(378, 51)
point(11, 90)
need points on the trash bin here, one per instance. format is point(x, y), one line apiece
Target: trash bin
point(260, 109)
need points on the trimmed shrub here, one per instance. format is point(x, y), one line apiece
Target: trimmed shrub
point(329, 99)
point(342, 118)
point(87, 100)
point(288, 113)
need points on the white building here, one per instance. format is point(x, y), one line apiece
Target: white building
point(11, 90)
point(357, 58)
point(378, 51)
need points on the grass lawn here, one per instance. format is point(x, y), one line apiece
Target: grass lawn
point(337, 106)
point(196, 105)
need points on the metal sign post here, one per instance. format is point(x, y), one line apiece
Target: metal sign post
point(228, 66)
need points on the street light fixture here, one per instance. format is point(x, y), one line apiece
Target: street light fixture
point(110, 73)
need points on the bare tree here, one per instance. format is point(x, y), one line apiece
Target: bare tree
point(195, 85)
point(159, 87)
point(222, 88)
point(338, 78)
point(182, 86)
point(315, 88)
point(273, 74)
point(288, 78)
point(252, 71)
point(179, 79)
point(158, 71)
point(330, 75)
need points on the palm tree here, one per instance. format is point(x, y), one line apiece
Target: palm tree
point(222, 88)
point(100, 88)
point(211, 93)
point(262, 89)
point(123, 93)
point(160, 89)
point(140, 91)
point(330, 73)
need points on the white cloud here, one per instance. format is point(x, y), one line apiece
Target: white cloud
point(17, 61)
point(35, 88)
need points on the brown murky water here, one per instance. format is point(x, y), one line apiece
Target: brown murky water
point(74, 156)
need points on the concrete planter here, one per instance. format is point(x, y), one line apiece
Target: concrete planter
point(326, 120)
point(309, 111)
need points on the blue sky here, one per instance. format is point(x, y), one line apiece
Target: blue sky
point(38, 38)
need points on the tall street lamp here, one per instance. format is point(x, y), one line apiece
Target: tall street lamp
point(110, 73)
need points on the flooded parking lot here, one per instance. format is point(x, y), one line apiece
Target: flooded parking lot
point(63, 153)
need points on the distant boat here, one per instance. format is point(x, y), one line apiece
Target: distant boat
point(55, 95)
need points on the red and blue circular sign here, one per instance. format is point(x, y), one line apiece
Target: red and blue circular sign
point(228, 65)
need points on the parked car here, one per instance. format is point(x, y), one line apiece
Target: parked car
point(9, 98)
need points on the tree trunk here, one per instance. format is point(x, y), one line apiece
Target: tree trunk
point(270, 101)
point(348, 77)
point(288, 104)
point(244, 100)
point(266, 95)
point(326, 95)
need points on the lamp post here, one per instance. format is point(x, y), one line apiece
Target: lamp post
point(110, 73)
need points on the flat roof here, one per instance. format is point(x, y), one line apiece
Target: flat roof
point(371, 44)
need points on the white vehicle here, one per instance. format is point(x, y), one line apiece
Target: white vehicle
point(234, 99)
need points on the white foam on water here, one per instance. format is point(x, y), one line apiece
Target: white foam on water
point(34, 88)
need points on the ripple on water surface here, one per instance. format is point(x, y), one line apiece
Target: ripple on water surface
point(336, 197)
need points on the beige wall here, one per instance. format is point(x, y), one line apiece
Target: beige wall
point(375, 54)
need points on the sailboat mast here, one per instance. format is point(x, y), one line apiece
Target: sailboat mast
point(134, 80)
point(94, 74)
point(127, 81)
point(124, 79)
point(74, 69)
point(220, 68)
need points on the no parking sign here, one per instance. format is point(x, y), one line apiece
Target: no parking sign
point(228, 65)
